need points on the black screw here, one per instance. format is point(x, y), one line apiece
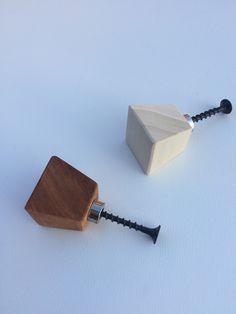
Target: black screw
point(225, 107)
point(152, 232)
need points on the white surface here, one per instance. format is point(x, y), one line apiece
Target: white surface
point(68, 71)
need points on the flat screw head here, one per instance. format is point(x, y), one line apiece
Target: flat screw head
point(226, 106)
point(155, 234)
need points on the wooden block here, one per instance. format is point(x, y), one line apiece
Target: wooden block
point(156, 134)
point(63, 196)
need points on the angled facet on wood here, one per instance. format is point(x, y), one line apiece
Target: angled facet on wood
point(156, 134)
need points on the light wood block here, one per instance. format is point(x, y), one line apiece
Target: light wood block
point(156, 134)
point(63, 197)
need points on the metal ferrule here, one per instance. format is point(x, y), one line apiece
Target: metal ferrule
point(95, 211)
point(189, 120)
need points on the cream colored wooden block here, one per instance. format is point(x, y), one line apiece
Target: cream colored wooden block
point(156, 134)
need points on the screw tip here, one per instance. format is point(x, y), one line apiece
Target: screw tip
point(226, 106)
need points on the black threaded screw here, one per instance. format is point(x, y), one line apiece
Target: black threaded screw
point(152, 232)
point(225, 107)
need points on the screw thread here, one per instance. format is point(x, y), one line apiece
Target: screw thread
point(152, 232)
point(206, 114)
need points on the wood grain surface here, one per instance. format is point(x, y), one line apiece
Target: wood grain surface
point(62, 197)
point(156, 134)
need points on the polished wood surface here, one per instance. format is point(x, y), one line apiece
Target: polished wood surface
point(62, 197)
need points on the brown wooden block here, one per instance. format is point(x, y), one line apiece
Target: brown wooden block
point(62, 197)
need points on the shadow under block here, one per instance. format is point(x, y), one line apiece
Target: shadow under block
point(63, 197)
point(156, 134)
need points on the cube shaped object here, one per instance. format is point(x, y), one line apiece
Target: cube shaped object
point(156, 134)
point(63, 196)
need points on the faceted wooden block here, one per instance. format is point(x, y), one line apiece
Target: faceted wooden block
point(63, 197)
point(156, 134)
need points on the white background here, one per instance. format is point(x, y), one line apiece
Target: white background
point(68, 71)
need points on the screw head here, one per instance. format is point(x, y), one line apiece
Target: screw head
point(155, 233)
point(226, 106)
